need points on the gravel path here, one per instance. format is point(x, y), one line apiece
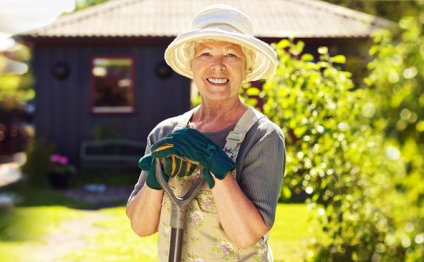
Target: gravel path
point(69, 236)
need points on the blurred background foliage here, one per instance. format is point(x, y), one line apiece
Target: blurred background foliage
point(16, 89)
point(392, 10)
point(356, 152)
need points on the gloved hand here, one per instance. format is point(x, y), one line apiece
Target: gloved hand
point(193, 145)
point(173, 166)
point(148, 163)
point(177, 166)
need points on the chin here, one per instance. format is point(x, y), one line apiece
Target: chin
point(218, 97)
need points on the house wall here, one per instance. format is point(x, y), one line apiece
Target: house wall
point(63, 115)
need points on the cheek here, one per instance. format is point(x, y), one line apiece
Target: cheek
point(241, 71)
point(239, 66)
point(197, 66)
point(194, 68)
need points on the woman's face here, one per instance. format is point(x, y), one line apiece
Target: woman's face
point(218, 70)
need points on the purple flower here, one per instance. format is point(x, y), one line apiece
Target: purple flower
point(59, 159)
point(60, 164)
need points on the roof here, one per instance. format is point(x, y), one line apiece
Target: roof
point(166, 18)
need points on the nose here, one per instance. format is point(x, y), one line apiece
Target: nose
point(218, 64)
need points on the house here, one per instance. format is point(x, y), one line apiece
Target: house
point(100, 72)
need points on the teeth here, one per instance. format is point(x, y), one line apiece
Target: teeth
point(218, 80)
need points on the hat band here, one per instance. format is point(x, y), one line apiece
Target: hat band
point(223, 26)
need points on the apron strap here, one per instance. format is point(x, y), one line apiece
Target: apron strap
point(236, 136)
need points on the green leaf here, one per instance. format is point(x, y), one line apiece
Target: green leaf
point(323, 50)
point(253, 91)
point(283, 44)
point(307, 57)
point(340, 59)
point(286, 192)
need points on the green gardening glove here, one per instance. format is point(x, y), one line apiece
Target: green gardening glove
point(193, 145)
point(172, 166)
point(178, 166)
point(148, 163)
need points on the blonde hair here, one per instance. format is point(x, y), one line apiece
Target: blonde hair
point(250, 56)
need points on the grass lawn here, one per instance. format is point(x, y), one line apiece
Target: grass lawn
point(23, 229)
point(113, 239)
point(289, 233)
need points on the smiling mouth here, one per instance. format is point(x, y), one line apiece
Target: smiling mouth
point(217, 81)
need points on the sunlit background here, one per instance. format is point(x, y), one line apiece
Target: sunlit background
point(351, 110)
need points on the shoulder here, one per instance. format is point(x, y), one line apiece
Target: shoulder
point(264, 136)
point(163, 128)
point(265, 129)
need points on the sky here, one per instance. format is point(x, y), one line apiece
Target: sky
point(17, 16)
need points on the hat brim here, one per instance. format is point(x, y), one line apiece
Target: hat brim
point(265, 64)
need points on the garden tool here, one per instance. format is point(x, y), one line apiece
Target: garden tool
point(179, 205)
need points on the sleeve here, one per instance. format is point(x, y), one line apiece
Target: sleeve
point(143, 175)
point(262, 174)
point(162, 129)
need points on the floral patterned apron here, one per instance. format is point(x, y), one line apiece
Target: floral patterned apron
point(204, 237)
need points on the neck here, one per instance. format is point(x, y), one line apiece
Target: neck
point(213, 117)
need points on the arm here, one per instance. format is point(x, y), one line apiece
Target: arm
point(239, 218)
point(246, 207)
point(143, 209)
point(144, 205)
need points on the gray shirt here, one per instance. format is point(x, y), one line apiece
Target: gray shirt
point(259, 165)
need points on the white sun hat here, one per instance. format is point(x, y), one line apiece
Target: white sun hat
point(222, 23)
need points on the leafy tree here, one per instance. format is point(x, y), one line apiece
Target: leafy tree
point(337, 153)
point(320, 113)
point(392, 10)
point(82, 4)
point(396, 83)
point(15, 89)
point(397, 74)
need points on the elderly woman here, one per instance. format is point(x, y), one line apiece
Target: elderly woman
point(240, 152)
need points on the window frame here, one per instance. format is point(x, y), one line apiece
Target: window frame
point(119, 109)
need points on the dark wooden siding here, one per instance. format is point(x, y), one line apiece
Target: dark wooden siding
point(63, 113)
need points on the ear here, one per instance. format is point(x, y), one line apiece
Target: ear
point(248, 71)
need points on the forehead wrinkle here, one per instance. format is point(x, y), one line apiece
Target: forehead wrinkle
point(212, 45)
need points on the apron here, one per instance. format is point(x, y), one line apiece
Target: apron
point(204, 237)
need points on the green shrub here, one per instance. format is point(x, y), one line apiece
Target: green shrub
point(396, 84)
point(331, 151)
point(37, 164)
point(358, 152)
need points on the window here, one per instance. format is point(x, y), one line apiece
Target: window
point(112, 88)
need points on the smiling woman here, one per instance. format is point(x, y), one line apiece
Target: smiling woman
point(237, 150)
